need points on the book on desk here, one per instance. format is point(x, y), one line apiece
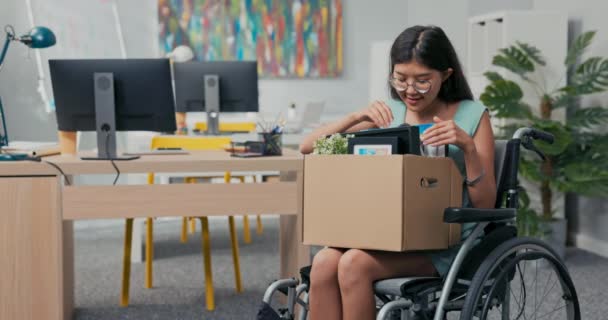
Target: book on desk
point(32, 148)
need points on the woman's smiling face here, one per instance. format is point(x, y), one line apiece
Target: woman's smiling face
point(417, 85)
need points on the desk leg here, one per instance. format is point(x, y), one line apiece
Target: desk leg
point(68, 269)
point(32, 268)
point(293, 253)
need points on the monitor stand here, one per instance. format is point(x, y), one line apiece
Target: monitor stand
point(212, 103)
point(105, 118)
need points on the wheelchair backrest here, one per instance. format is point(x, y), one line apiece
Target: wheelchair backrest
point(505, 162)
point(500, 159)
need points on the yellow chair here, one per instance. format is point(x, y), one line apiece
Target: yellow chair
point(229, 126)
point(186, 143)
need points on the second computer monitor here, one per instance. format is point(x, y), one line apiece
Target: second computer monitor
point(216, 86)
point(238, 85)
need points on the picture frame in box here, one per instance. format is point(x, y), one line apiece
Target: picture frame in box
point(409, 137)
point(374, 146)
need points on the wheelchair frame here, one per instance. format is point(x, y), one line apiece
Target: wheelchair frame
point(483, 217)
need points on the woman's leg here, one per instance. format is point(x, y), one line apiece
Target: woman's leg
point(359, 269)
point(324, 293)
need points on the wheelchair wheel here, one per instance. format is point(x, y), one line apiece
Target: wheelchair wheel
point(522, 278)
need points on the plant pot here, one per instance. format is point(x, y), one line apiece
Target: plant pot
point(555, 235)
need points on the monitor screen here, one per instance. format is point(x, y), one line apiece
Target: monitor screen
point(409, 137)
point(142, 89)
point(238, 85)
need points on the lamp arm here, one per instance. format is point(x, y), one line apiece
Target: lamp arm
point(10, 36)
point(4, 131)
point(7, 42)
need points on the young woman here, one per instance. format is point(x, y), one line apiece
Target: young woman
point(427, 86)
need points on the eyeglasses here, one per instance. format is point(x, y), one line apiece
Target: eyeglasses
point(421, 86)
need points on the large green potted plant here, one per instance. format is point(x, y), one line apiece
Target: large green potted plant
point(578, 159)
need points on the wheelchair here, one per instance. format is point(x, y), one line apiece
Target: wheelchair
point(495, 274)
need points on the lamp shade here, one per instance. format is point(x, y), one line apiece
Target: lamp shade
point(39, 37)
point(181, 54)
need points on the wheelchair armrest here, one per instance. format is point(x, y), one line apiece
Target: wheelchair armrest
point(462, 215)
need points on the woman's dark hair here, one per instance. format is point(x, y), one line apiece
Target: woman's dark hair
point(429, 46)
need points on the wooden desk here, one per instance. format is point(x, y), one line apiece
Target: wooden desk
point(37, 209)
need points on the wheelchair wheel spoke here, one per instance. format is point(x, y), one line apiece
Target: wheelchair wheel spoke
point(552, 312)
point(542, 300)
point(506, 285)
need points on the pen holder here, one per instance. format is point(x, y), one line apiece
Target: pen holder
point(273, 143)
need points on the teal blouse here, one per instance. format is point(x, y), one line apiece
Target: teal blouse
point(467, 117)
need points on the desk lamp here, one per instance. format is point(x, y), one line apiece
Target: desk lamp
point(181, 53)
point(37, 38)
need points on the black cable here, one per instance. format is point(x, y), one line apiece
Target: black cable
point(65, 177)
point(111, 160)
point(39, 159)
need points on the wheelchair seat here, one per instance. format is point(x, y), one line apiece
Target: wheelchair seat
point(395, 286)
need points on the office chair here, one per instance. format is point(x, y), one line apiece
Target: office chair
point(186, 143)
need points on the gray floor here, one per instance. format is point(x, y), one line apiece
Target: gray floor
point(179, 281)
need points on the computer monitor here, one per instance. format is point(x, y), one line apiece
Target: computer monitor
point(113, 95)
point(216, 86)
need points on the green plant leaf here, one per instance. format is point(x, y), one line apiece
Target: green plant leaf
point(514, 60)
point(562, 137)
point(578, 47)
point(530, 169)
point(503, 97)
point(524, 198)
point(528, 222)
point(507, 131)
point(532, 52)
point(335, 144)
point(585, 178)
point(562, 100)
point(591, 76)
point(588, 146)
point(493, 76)
point(588, 117)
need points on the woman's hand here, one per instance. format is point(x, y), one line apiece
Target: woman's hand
point(447, 132)
point(377, 112)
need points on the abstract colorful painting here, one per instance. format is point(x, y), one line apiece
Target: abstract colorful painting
point(288, 38)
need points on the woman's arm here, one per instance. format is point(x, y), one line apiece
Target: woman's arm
point(378, 114)
point(478, 155)
point(481, 157)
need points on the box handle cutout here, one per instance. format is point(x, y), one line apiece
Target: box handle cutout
point(428, 182)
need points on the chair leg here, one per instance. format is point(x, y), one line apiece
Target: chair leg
point(126, 263)
point(209, 295)
point(246, 231)
point(149, 251)
point(235, 255)
point(192, 226)
point(260, 229)
point(184, 236)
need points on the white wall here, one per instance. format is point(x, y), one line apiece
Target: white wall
point(364, 22)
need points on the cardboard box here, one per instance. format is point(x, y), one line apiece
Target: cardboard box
point(392, 203)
